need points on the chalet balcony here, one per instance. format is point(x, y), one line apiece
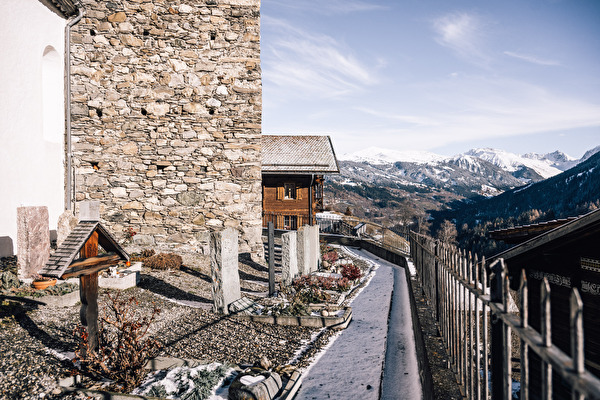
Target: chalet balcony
point(287, 221)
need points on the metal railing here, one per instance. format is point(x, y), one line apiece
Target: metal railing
point(477, 327)
point(390, 239)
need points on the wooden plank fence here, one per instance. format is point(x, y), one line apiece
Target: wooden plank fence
point(477, 325)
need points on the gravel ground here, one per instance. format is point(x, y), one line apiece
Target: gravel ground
point(37, 343)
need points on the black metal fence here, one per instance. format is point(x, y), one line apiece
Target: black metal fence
point(477, 326)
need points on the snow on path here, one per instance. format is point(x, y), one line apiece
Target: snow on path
point(352, 365)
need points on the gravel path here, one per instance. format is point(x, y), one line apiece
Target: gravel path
point(37, 343)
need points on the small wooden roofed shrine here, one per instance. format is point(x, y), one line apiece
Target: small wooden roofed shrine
point(78, 256)
point(569, 257)
point(66, 263)
point(293, 169)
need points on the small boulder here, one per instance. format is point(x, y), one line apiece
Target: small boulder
point(255, 386)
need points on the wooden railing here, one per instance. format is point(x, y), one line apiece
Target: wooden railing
point(279, 220)
point(477, 327)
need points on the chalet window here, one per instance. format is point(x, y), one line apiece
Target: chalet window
point(319, 191)
point(289, 190)
point(290, 222)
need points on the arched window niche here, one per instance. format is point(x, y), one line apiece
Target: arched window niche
point(52, 96)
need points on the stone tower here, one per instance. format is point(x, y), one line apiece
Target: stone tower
point(166, 119)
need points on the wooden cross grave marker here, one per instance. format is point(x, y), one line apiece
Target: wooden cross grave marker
point(83, 241)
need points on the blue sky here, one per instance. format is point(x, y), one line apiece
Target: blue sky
point(437, 75)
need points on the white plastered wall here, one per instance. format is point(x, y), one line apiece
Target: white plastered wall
point(32, 122)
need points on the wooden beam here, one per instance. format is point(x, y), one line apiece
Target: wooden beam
point(93, 261)
point(88, 271)
point(88, 293)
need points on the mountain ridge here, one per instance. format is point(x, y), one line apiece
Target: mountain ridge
point(387, 185)
point(545, 165)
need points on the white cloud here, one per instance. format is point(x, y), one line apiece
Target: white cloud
point(463, 33)
point(532, 59)
point(328, 6)
point(411, 120)
point(299, 61)
point(476, 109)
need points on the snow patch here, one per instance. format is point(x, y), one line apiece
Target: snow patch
point(379, 156)
point(511, 162)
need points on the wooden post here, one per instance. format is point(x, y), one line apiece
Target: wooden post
point(436, 289)
point(524, 292)
point(497, 364)
point(271, 259)
point(88, 294)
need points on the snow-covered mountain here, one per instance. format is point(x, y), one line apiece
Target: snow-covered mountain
point(375, 179)
point(527, 167)
point(590, 153)
point(379, 156)
point(511, 162)
point(574, 192)
point(556, 159)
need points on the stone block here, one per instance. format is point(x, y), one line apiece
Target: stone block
point(89, 211)
point(250, 385)
point(66, 223)
point(224, 269)
point(289, 257)
point(308, 249)
point(127, 280)
point(301, 248)
point(33, 239)
point(314, 248)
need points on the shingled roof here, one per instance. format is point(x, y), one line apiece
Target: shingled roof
point(69, 250)
point(298, 155)
point(573, 230)
point(520, 234)
point(67, 8)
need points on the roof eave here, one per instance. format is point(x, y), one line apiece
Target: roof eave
point(268, 172)
point(589, 219)
point(65, 8)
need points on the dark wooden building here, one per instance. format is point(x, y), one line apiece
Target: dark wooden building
point(567, 253)
point(293, 169)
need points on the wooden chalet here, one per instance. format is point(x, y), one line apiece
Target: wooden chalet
point(567, 253)
point(293, 169)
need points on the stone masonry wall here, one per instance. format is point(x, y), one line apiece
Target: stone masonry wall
point(166, 119)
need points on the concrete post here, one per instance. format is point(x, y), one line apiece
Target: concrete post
point(224, 269)
point(271, 259)
point(289, 257)
point(308, 249)
point(302, 238)
point(314, 248)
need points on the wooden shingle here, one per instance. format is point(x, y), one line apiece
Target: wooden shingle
point(68, 252)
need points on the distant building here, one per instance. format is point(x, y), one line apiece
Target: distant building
point(293, 169)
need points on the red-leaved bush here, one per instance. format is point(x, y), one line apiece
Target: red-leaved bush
point(351, 271)
point(331, 256)
point(321, 283)
point(124, 347)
